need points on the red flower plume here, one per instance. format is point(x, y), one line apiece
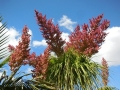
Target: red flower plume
point(51, 33)
point(40, 63)
point(21, 52)
point(90, 38)
point(105, 72)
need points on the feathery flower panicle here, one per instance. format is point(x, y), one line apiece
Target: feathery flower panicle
point(51, 33)
point(105, 72)
point(11, 48)
point(21, 51)
point(90, 38)
point(32, 59)
point(41, 64)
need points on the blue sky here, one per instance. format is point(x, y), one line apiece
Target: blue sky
point(67, 14)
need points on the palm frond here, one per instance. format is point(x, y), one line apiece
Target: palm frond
point(43, 84)
point(15, 83)
point(108, 88)
point(4, 61)
point(3, 41)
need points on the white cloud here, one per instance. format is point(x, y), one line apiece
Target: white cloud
point(39, 43)
point(14, 36)
point(30, 32)
point(110, 49)
point(43, 42)
point(65, 36)
point(67, 23)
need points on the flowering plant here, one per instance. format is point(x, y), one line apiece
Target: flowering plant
point(72, 66)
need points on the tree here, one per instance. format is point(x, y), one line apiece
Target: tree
point(72, 66)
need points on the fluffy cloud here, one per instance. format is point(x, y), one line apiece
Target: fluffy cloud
point(14, 35)
point(65, 36)
point(43, 42)
point(30, 32)
point(39, 43)
point(66, 22)
point(110, 49)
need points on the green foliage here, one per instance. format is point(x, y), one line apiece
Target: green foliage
point(107, 88)
point(3, 40)
point(43, 84)
point(68, 71)
point(4, 61)
point(15, 83)
point(73, 69)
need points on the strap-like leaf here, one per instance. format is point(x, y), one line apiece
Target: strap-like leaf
point(4, 61)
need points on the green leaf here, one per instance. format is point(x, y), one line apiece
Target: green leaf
point(4, 61)
point(72, 69)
